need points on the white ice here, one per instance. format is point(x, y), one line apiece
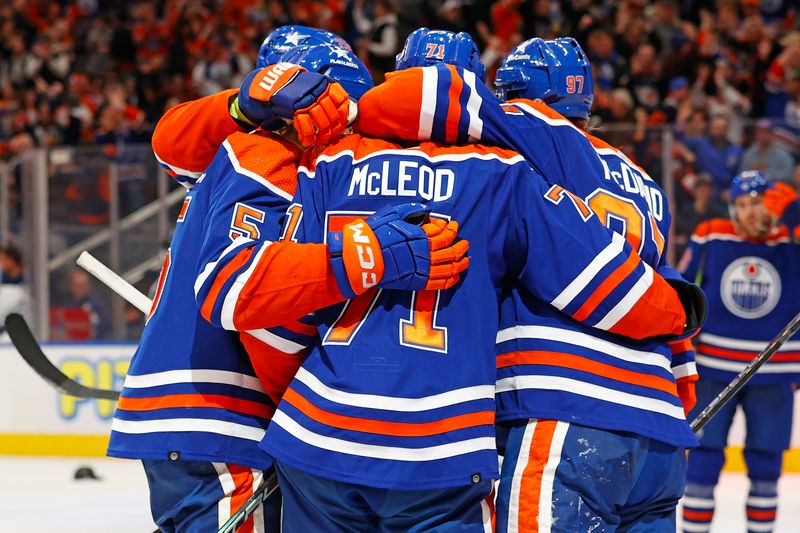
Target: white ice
point(39, 495)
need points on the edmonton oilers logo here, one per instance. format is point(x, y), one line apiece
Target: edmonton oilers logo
point(751, 287)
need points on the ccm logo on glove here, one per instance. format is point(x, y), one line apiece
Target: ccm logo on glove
point(365, 250)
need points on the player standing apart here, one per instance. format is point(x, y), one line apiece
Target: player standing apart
point(750, 270)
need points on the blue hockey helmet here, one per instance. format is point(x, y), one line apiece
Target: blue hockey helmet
point(339, 64)
point(283, 39)
point(556, 72)
point(427, 47)
point(750, 183)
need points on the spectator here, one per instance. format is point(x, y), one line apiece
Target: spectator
point(10, 266)
point(713, 153)
point(767, 155)
point(703, 206)
point(382, 43)
point(80, 290)
point(607, 65)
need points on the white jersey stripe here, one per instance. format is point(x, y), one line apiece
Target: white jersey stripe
point(228, 488)
point(172, 377)
point(430, 79)
point(549, 475)
point(179, 171)
point(392, 453)
point(590, 390)
point(253, 175)
point(516, 481)
point(734, 366)
point(760, 526)
point(276, 341)
point(232, 297)
point(692, 527)
point(209, 268)
point(583, 340)
point(474, 102)
point(626, 304)
point(541, 116)
point(203, 425)
point(258, 514)
point(745, 345)
point(736, 238)
point(684, 370)
point(395, 403)
point(611, 251)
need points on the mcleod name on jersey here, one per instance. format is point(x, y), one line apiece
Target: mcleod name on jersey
point(549, 365)
point(400, 392)
point(753, 289)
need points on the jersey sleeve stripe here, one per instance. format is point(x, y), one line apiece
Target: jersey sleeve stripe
point(395, 453)
point(584, 364)
point(211, 267)
point(590, 390)
point(583, 279)
point(454, 106)
point(234, 264)
point(187, 178)
point(430, 81)
point(394, 403)
point(277, 342)
point(171, 377)
point(238, 405)
point(753, 346)
point(228, 313)
point(626, 304)
point(577, 338)
point(382, 427)
point(732, 366)
point(606, 287)
point(473, 107)
point(219, 427)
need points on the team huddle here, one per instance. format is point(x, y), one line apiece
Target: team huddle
point(377, 291)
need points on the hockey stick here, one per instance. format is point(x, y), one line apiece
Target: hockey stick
point(23, 339)
point(745, 375)
point(260, 495)
point(114, 282)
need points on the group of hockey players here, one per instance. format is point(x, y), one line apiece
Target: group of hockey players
point(376, 292)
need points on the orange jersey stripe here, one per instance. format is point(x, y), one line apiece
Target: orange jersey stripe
point(454, 106)
point(243, 481)
point(396, 429)
point(787, 357)
point(238, 405)
point(531, 485)
point(657, 312)
point(698, 516)
point(566, 360)
point(605, 288)
point(234, 264)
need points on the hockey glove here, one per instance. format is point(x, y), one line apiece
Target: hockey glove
point(397, 248)
point(271, 95)
point(687, 393)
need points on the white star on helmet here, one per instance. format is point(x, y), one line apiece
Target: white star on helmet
point(341, 52)
point(296, 38)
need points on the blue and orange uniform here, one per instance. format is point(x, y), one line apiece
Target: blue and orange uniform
point(752, 287)
point(400, 391)
point(574, 380)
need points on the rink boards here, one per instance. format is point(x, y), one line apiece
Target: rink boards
point(36, 420)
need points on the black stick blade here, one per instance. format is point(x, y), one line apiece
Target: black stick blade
point(29, 349)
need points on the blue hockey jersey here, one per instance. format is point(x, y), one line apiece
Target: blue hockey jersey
point(550, 365)
point(191, 391)
point(400, 391)
point(753, 290)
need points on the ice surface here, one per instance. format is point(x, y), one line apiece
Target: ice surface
point(39, 494)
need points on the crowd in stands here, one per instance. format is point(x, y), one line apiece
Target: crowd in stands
point(722, 75)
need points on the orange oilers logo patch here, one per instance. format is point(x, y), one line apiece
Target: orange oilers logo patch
point(750, 287)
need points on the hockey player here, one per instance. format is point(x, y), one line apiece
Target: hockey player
point(750, 271)
point(580, 389)
point(192, 407)
point(188, 136)
point(400, 392)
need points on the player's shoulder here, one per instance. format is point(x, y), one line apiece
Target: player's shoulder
point(265, 157)
point(714, 229)
point(539, 110)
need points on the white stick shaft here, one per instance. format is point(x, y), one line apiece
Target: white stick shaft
point(114, 282)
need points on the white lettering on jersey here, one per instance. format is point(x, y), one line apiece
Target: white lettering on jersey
point(403, 178)
point(631, 181)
